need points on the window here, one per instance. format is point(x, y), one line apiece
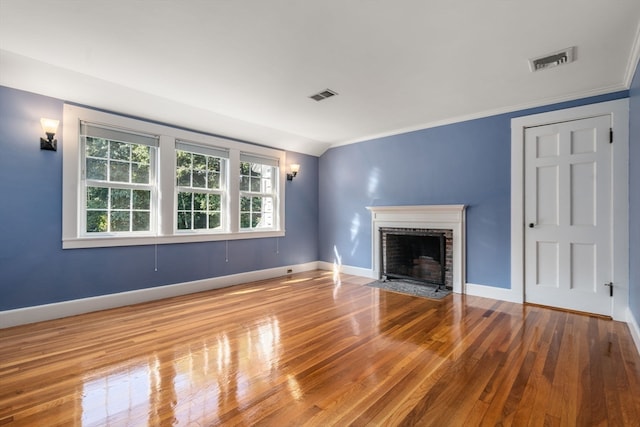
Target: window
point(132, 182)
point(118, 180)
point(201, 187)
point(257, 192)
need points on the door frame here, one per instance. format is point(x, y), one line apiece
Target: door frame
point(619, 112)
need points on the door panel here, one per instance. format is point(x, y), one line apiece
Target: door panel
point(568, 215)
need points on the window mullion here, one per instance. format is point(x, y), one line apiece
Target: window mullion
point(233, 203)
point(167, 196)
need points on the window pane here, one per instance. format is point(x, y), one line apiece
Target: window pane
point(199, 202)
point(245, 204)
point(255, 220)
point(214, 202)
point(141, 199)
point(120, 198)
point(199, 162)
point(245, 168)
point(97, 169)
point(245, 220)
point(183, 159)
point(97, 198)
point(256, 170)
point(97, 147)
point(96, 221)
point(213, 180)
point(199, 220)
point(256, 204)
point(120, 221)
point(141, 154)
point(141, 221)
point(267, 220)
point(139, 173)
point(244, 183)
point(119, 171)
point(183, 176)
point(199, 179)
point(214, 220)
point(184, 220)
point(184, 201)
point(255, 184)
point(120, 151)
point(213, 164)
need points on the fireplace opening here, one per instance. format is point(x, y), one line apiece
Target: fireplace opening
point(421, 255)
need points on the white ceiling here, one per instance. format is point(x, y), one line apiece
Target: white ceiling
point(246, 69)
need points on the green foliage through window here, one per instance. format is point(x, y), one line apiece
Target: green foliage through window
point(118, 186)
point(199, 179)
point(257, 187)
point(117, 210)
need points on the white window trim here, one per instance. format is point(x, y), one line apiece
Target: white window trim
point(72, 237)
point(86, 182)
point(222, 192)
point(249, 193)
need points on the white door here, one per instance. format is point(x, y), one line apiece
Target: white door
point(568, 200)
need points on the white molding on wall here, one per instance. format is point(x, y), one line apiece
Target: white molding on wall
point(447, 217)
point(346, 269)
point(634, 58)
point(493, 292)
point(509, 109)
point(58, 310)
point(619, 112)
point(23, 316)
point(634, 328)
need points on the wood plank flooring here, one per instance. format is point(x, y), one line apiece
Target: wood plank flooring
point(311, 349)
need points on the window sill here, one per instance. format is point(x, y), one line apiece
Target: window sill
point(105, 242)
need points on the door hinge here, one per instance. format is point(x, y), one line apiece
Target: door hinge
point(610, 285)
point(610, 135)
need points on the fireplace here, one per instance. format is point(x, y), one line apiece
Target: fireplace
point(423, 255)
point(414, 221)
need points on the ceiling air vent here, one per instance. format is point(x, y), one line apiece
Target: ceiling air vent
point(327, 93)
point(553, 59)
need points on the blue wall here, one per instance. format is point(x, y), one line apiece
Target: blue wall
point(35, 270)
point(463, 163)
point(634, 195)
point(466, 163)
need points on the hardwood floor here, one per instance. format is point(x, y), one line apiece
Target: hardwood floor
point(308, 350)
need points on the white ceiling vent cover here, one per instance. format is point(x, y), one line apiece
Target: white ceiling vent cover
point(327, 93)
point(554, 59)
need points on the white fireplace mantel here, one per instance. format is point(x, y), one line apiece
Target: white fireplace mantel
point(446, 217)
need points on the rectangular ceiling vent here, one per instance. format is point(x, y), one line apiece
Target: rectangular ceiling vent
point(554, 59)
point(327, 93)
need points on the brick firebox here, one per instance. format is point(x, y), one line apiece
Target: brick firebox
point(425, 255)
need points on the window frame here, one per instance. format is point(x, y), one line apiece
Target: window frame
point(165, 184)
point(223, 191)
point(86, 182)
point(264, 162)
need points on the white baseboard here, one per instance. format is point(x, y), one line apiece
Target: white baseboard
point(58, 310)
point(346, 269)
point(634, 328)
point(22, 316)
point(470, 288)
point(485, 291)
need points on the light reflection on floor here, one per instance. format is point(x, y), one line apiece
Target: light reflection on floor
point(218, 370)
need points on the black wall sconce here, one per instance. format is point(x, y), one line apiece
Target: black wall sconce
point(50, 127)
point(295, 168)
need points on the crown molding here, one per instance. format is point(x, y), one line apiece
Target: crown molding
point(489, 113)
point(634, 59)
